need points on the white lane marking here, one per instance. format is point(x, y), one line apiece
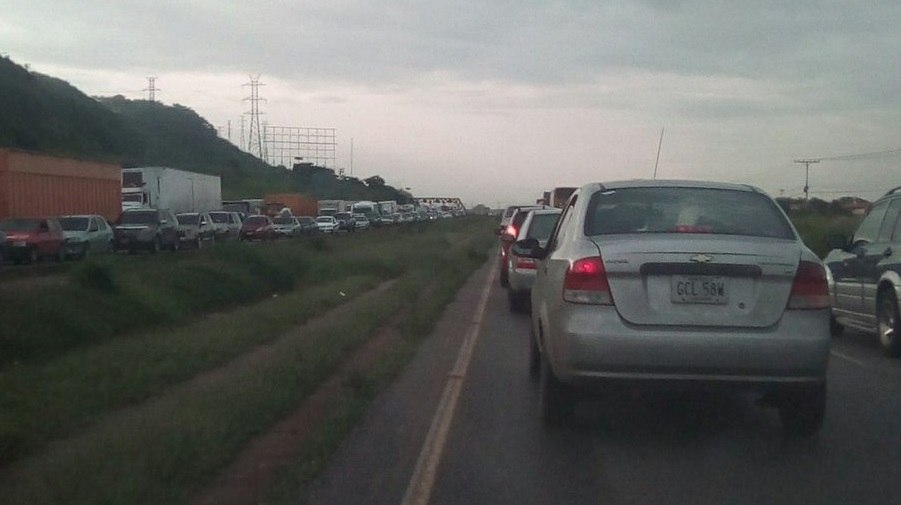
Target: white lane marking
point(419, 491)
point(848, 358)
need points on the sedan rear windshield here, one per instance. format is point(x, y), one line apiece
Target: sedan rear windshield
point(188, 218)
point(74, 223)
point(542, 225)
point(219, 217)
point(20, 224)
point(256, 221)
point(283, 220)
point(685, 210)
point(324, 219)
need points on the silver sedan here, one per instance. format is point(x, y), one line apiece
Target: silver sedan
point(675, 284)
point(538, 224)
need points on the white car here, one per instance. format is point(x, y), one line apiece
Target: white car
point(327, 224)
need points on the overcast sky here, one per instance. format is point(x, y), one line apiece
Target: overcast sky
point(497, 101)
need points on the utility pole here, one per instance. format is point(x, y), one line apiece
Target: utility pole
point(151, 89)
point(807, 163)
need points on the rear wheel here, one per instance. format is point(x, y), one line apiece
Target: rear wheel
point(555, 399)
point(32, 256)
point(505, 279)
point(802, 412)
point(887, 314)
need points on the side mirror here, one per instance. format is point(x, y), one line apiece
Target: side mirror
point(528, 248)
point(837, 241)
point(506, 237)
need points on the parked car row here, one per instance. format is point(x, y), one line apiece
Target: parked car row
point(29, 239)
point(686, 284)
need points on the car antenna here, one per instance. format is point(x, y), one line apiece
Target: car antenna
point(659, 145)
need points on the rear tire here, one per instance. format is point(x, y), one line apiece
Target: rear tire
point(505, 278)
point(555, 399)
point(32, 256)
point(889, 331)
point(802, 412)
point(155, 246)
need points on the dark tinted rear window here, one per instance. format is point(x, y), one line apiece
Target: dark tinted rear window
point(139, 217)
point(74, 223)
point(256, 220)
point(685, 210)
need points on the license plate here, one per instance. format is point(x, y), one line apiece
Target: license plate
point(699, 289)
point(19, 244)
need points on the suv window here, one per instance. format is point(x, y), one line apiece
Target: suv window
point(888, 223)
point(869, 228)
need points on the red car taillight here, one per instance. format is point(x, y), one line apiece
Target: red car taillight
point(525, 264)
point(586, 282)
point(810, 289)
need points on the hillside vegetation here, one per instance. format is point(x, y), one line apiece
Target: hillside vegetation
point(44, 114)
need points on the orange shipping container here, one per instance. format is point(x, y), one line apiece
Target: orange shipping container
point(300, 205)
point(38, 185)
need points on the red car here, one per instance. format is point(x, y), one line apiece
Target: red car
point(258, 228)
point(29, 239)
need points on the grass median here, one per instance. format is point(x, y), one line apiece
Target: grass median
point(163, 449)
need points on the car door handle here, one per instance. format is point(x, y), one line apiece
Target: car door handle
point(887, 252)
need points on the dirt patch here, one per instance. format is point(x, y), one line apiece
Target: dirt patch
point(249, 476)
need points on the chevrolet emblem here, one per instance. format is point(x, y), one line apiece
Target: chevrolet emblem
point(701, 258)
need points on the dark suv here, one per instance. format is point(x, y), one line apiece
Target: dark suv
point(865, 274)
point(148, 229)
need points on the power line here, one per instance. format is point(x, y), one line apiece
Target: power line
point(859, 156)
point(807, 162)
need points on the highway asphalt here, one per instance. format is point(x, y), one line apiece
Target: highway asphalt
point(622, 448)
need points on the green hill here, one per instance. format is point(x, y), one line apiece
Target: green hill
point(44, 114)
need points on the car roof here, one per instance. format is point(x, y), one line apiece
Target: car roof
point(670, 183)
point(552, 210)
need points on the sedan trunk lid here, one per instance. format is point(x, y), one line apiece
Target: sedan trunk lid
point(699, 280)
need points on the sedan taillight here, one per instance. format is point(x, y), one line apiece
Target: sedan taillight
point(810, 289)
point(586, 282)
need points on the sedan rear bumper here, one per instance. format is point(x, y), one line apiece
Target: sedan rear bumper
point(593, 344)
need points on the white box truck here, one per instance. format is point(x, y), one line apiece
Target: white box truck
point(170, 188)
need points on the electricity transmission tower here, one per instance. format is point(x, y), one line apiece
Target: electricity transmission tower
point(151, 89)
point(255, 132)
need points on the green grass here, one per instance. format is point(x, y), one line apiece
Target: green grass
point(84, 384)
point(162, 451)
